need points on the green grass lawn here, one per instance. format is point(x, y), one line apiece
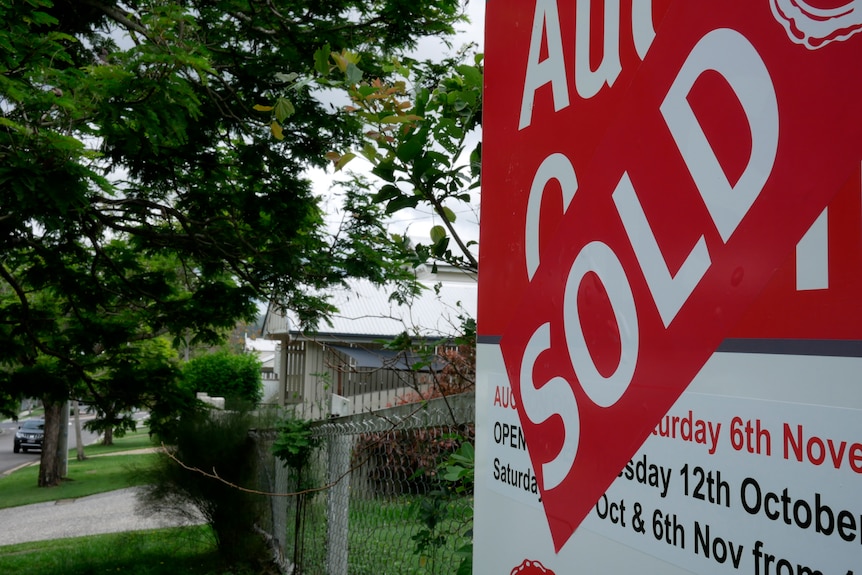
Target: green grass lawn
point(88, 477)
point(139, 439)
point(33, 413)
point(189, 550)
point(380, 537)
point(99, 473)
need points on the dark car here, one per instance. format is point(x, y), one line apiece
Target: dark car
point(29, 435)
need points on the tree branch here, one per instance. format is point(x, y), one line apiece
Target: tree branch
point(116, 15)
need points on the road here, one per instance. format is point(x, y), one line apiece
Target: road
point(9, 460)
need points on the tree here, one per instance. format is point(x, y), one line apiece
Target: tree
point(236, 377)
point(137, 182)
point(92, 344)
point(218, 444)
point(139, 377)
point(419, 122)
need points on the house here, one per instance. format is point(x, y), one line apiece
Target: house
point(345, 367)
point(265, 350)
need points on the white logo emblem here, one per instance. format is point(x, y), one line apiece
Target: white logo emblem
point(816, 27)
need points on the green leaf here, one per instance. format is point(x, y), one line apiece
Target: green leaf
point(321, 60)
point(466, 565)
point(422, 98)
point(42, 18)
point(438, 234)
point(365, 91)
point(409, 150)
point(471, 74)
point(369, 151)
point(13, 125)
point(385, 170)
point(262, 108)
point(339, 60)
point(401, 203)
point(476, 161)
point(286, 78)
point(387, 192)
point(467, 452)
point(283, 109)
point(439, 248)
point(353, 73)
point(449, 214)
point(453, 473)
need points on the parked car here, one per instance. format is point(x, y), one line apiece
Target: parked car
point(29, 435)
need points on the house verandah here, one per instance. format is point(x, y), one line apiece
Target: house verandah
point(345, 367)
point(319, 373)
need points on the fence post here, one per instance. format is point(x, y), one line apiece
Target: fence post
point(337, 503)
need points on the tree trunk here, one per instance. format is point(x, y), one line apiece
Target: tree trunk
point(108, 438)
point(50, 466)
point(79, 442)
point(63, 440)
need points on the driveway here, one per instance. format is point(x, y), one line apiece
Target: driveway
point(109, 512)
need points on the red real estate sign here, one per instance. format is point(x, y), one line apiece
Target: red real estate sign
point(798, 310)
point(530, 173)
point(712, 159)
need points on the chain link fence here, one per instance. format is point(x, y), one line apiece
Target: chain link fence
point(371, 502)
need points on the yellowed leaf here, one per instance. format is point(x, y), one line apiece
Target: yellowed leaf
point(342, 161)
point(400, 119)
point(277, 132)
point(340, 61)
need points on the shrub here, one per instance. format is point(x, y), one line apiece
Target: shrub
point(222, 374)
point(403, 461)
point(213, 443)
point(458, 375)
point(406, 460)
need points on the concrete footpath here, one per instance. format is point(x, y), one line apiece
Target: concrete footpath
point(110, 512)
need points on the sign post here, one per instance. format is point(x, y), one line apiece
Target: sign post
point(670, 339)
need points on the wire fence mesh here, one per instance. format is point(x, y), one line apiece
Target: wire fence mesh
point(372, 502)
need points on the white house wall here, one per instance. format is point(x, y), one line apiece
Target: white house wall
point(325, 372)
point(366, 313)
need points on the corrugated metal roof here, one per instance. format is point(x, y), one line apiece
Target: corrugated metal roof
point(259, 345)
point(366, 311)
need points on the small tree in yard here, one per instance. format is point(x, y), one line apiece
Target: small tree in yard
point(222, 374)
point(294, 447)
point(143, 375)
point(208, 444)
